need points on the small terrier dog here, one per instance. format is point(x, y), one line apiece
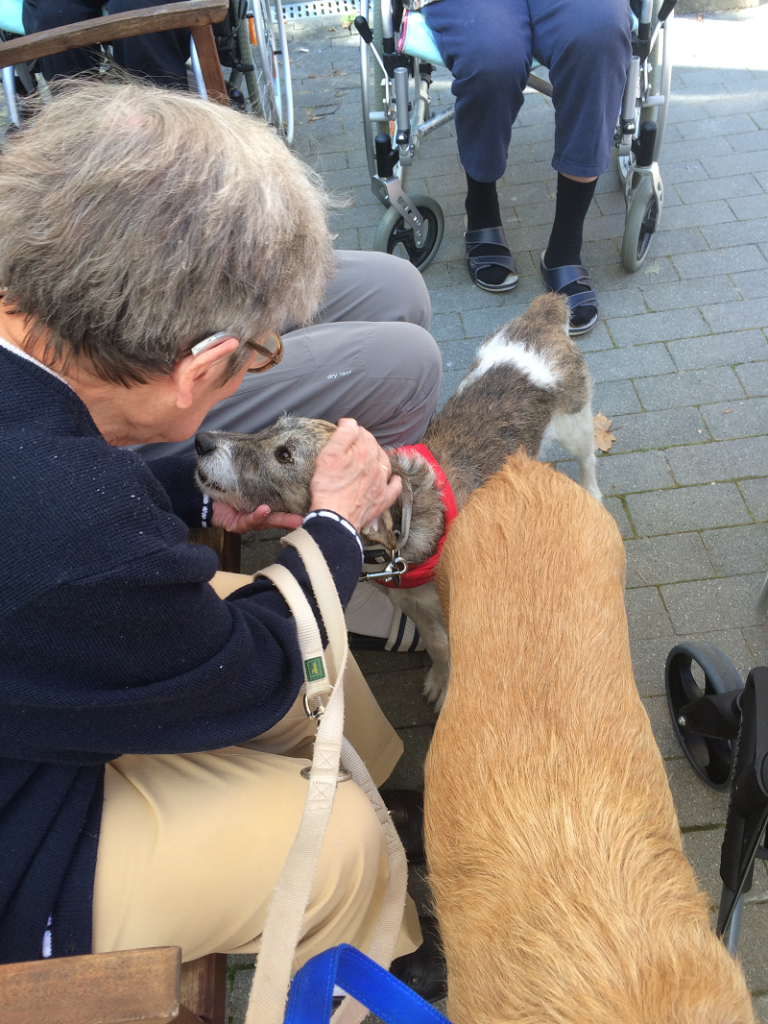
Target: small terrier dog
point(529, 379)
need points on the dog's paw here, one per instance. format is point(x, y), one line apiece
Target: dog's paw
point(436, 685)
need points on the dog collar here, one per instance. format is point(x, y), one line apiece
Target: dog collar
point(417, 575)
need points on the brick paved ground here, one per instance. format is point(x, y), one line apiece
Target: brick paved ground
point(679, 360)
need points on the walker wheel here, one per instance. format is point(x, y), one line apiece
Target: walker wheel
point(640, 225)
point(394, 236)
point(689, 666)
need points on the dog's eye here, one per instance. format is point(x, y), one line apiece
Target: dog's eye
point(283, 455)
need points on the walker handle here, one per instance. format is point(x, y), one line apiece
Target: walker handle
point(364, 29)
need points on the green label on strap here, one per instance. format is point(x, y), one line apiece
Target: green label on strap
point(313, 668)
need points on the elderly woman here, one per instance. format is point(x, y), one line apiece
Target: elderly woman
point(151, 246)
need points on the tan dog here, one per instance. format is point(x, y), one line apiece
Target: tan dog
point(560, 884)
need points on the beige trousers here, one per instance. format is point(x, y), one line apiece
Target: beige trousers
point(191, 845)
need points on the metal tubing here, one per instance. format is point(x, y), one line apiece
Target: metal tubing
point(387, 32)
point(629, 102)
point(401, 99)
point(9, 88)
point(197, 71)
point(730, 935)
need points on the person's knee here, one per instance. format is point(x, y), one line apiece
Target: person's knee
point(409, 294)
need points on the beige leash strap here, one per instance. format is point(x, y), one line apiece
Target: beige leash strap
point(324, 674)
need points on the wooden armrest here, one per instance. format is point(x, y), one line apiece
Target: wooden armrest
point(187, 14)
point(136, 986)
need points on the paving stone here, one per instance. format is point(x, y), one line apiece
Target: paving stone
point(615, 398)
point(649, 658)
point(712, 604)
point(755, 494)
point(752, 284)
point(695, 802)
point(720, 350)
point(674, 323)
point(754, 377)
point(740, 232)
point(451, 380)
point(739, 549)
point(459, 354)
point(692, 387)
point(750, 207)
point(739, 163)
point(702, 848)
point(691, 292)
point(616, 509)
point(671, 243)
point(698, 214)
point(687, 508)
point(737, 419)
point(718, 188)
point(446, 326)
point(719, 460)
point(671, 559)
point(646, 615)
point(657, 710)
point(760, 1009)
point(627, 302)
point(238, 992)
point(637, 471)
point(757, 636)
point(720, 261)
point(632, 361)
point(753, 943)
point(657, 430)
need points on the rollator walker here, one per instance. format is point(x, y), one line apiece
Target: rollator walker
point(398, 54)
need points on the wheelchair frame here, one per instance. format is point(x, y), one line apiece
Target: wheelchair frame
point(397, 117)
point(251, 42)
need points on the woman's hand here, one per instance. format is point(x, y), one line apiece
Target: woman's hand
point(262, 518)
point(353, 476)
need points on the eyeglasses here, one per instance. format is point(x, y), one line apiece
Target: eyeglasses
point(269, 349)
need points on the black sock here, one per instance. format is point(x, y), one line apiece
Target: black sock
point(482, 206)
point(573, 199)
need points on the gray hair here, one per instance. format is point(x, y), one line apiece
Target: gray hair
point(137, 221)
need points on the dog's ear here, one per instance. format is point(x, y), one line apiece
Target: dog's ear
point(382, 530)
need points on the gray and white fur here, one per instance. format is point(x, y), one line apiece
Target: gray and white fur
point(528, 380)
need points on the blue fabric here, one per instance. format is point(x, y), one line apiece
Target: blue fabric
point(112, 642)
point(488, 46)
point(10, 16)
point(387, 997)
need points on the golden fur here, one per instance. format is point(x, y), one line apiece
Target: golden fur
point(559, 880)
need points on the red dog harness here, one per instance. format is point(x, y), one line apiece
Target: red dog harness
point(424, 573)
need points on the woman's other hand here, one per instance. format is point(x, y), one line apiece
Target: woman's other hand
point(262, 518)
point(353, 476)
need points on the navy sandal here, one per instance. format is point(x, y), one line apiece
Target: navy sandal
point(503, 259)
point(558, 279)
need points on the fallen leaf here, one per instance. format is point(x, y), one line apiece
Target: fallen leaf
point(653, 268)
point(303, 49)
point(312, 75)
point(331, 29)
point(726, 411)
point(339, 72)
point(603, 439)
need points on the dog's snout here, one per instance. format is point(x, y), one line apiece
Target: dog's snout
point(204, 442)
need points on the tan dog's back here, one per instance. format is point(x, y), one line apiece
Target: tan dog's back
point(560, 884)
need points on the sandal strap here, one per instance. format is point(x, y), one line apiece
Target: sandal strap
point(558, 278)
point(489, 236)
point(587, 298)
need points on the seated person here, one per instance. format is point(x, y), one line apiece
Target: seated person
point(160, 56)
point(150, 731)
point(487, 46)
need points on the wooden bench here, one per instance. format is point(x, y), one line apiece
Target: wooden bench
point(135, 986)
point(197, 15)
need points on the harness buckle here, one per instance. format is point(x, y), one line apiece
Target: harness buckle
point(396, 567)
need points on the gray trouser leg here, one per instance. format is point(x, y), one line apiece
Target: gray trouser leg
point(368, 355)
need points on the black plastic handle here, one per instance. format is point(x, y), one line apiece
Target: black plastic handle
point(364, 29)
point(666, 9)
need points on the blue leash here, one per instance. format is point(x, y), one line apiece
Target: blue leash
point(311, 993)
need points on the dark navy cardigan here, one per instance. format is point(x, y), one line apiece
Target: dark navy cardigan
point(111, 642)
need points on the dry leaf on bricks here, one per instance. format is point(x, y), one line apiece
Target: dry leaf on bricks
point(603, 438)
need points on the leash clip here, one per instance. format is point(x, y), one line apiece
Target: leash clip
point(396, 568)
